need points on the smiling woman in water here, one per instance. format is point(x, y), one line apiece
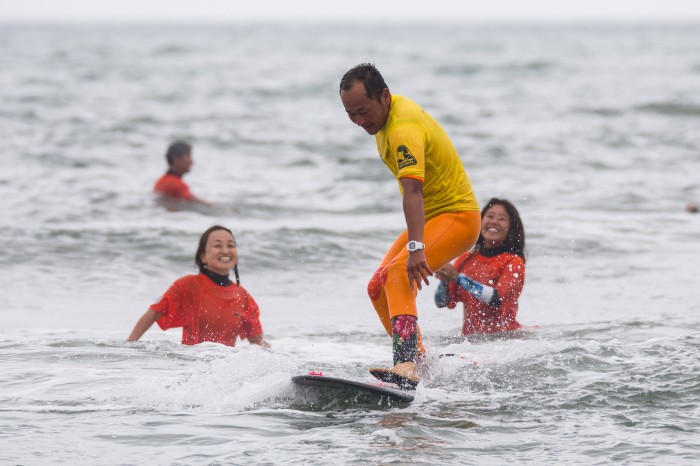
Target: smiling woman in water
point(208, 306)
point(490, 278)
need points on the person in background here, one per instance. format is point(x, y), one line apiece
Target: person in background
point(439, 205)
point(170, 185)
point(208, 306)
point(489, 279)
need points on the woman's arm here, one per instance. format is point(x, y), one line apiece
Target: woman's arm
point(484, 293)
point(259, 340)
point(508, 287)
point(446, 273)
point(143, 324)
point(442, 294)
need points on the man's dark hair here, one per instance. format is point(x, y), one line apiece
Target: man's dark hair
point(176, 150)
point(368, 75)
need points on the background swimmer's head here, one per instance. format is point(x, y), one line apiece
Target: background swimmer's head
point(515, 239)
point(202, 248)
point(179, 157)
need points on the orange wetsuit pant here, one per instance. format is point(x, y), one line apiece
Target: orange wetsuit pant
point(446, 236)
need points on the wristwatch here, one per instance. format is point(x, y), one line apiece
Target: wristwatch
point(414, 246)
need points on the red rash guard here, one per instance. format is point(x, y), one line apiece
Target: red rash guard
point(208, 312)
point(506, 273)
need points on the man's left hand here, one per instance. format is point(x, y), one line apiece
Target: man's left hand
point(418, 269)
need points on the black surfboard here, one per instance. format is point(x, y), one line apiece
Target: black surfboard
point(338, 386)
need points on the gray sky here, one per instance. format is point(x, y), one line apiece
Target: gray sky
point(351, 10)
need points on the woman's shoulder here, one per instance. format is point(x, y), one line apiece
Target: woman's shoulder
point(509, 257)
point(466, 255)
point(184, 285)
point(462, 260)
point(188, 280)
point(515, 259)
point(512, 261)
point(502, 258)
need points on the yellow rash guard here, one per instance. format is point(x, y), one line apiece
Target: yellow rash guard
point(412, 144)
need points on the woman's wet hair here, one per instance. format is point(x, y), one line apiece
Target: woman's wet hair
point(176, 150)
point(201, 248)
point(515, 239)
point(368, 75)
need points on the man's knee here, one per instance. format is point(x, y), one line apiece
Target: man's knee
point(374, 287)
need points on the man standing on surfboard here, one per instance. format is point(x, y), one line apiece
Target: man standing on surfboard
point(441, 210)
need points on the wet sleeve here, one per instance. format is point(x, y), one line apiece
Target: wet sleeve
point(170, 308)
point(442, 294)
point(484, 293)
point(251, 322)
point(453, 296)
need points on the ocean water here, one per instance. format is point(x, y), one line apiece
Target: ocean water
point(592, 130)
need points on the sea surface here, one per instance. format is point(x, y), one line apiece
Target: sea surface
point(592, 130)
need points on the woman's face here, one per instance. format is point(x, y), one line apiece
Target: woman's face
point(220, 253)
point(494, 226)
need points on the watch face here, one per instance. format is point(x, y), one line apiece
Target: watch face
point(413, 246)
